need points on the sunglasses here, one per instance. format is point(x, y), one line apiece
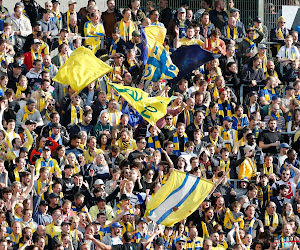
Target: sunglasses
point(169, 118)
point(282, 22)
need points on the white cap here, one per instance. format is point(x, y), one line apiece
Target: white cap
point(99, 182)
point(71, 2)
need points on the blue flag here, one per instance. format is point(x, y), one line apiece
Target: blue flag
point(145, 47)
point(189, 58)
point(159, 65)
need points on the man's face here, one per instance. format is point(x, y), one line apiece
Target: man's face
point(287, 230)
point(250, 212)
point(285, 176)
point(288, 42)
point(273, 125)
point(250, 35)
point(215, 133)
point(31, 106)
point(154, 17)
point(47, 60)
point(111, 5)
point(190, 33)
point(182, 15)
point(18, 12)
point(292, 155)
point(127, 15)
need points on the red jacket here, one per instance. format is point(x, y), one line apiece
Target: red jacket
point(28, 60)
point(39, 152)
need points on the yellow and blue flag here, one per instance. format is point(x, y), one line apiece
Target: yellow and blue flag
point(150, 108)
point(178, 198)
point(82, 68)
point(145, 50)
point(155, 34)
point(159, 65)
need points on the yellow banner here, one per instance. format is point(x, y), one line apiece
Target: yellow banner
point(155, 34)
point(150, 108)
point(82, 68)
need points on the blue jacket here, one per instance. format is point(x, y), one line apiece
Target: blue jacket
point(37, 216)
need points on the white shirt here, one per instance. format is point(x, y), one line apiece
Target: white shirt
point(292, 188)
point(283, 50)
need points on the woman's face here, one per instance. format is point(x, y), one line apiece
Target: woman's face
point(4, 82)
point(156, 158)
point(289, 207)
point(205, 157)
point(215, 109)
point(297, 115)
point(71, 159)
point(62, 151)
point(104, 140)
point(23, 82)
point(181, 163)
point(150, 174)
point(157, 187)
point(198, 173)
point(181, 228)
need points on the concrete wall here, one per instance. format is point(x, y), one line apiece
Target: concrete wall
point(63, 4)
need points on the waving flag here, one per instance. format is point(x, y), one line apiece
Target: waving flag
point(82, 68)
point(178, 198)
point(189, 58)
point(145, 50)
point(159, 65)
point(155, 34)
point(150, 108)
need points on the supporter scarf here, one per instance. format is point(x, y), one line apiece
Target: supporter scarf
point(264, 62)
point(260, 194)
point(15, 238)
point(279, 34)
point(2, 91)
point(34, 57)
point(47, 115)
point(39, 187)
point(213, 141)
point(116, 116)
point(182, 28)
point(249, 109)
point(176, 143)
point(228, 136)
point(275, 75)
point(42, 102)
point(27, 113)
point(61, 42)
point(267, 94)
point(19, 90)
point(126, 34)
point(68, 18)
point(131, 64)
point(62, 59)
point(225, 165)
point(216, 93)
point(155, 144)
point(267, 220)
point(267, 170)
point(74, 117)
point(288, 118)
point(229, 220)
point(113, 47)
point(252, 44)
point(221, 112)
point(255, 33)
point(16, 173)
point(170, 127)
point(75, 29)
point(274, 116)
point(235, 33)
point(251, 225)
point(214, 45)
point(125, 145)
point(47, 68)
point(204, 229)
point(293, 52)
point(57, 14)
point(187, 117)
point(7, 138)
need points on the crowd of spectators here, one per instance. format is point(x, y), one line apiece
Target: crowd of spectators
point(77, 170)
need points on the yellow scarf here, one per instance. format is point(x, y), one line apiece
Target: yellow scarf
point(221, 111)
point(187, 117)
point(68, 18)
point(216, 93)
point(33, 55)
point(20, 90)
point(8, 140)
point(42, 102)
point(267, 170)
point(214, 45)
point(235, 33)
point(116, 115)
point(27, 113)
point(126, 33)
point(252, 44)
point(39, 187)
point(62, 59)
point(61, 42)
point(225, 166)
point(275, 75)
point(74, 117)
point(267, 94)
point(17, 176)
point(255, 33)
point(279, 34)
point(213, 141)
point(154, 144)
point(264, 62)
point(252, 164)
point(275, 220)
point(204, 229)
point(229, 220)
point(293, 52)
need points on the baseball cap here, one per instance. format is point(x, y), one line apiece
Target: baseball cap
point(17, 65)
point(252, 93)
point(261, 46)
point(245, 179)
point(46, 148)
point(220, 232)
point(44, 203)
point(96, 222)
point(284, 145)
point(71, 2)
point(136, 33)
point(181, 9)
point(180, 239)
point(63, 30)
point(66, 223)
point(116, 225)
point(53, 195)
point(125, 197)
point(159, 241)
point(101, 198)
point(227, 118)
point(234, 10)
point(274, 97)
point(247, 149)
point(36, 41)
point(99, 182)
point(29, 122)
point(68, 166)
point(30, 101)
point(55, 1)
point(143, 219)
point(257, 19)
point(289, 88)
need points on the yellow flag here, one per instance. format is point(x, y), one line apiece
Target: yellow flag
point(155, 34)
point(178, 198)
point(150, 108)
point(82, 68)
